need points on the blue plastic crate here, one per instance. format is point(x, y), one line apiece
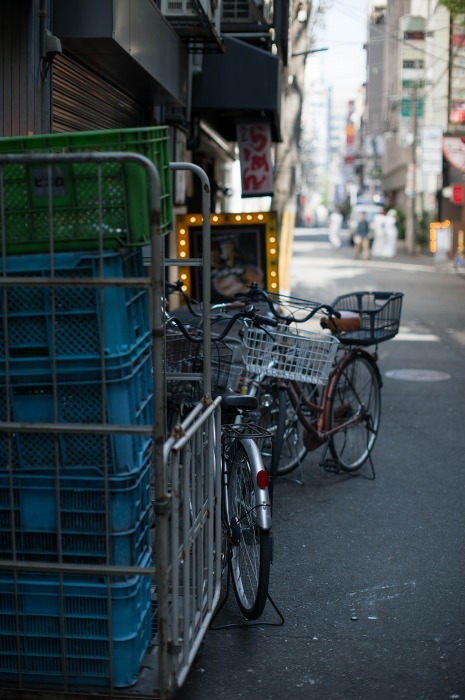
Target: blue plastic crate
point(78, 528)
point(79, 327)
point(128, 401)
point(35, 625)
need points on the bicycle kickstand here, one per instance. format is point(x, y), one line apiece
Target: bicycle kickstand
point(332, 465)
point(245, 623)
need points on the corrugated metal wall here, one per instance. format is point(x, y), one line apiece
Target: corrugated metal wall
point(82, 100)
point(23, 95)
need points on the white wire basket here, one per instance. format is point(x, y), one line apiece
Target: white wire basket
point(291, 354)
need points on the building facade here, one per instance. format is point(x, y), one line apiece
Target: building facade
point(200, 67)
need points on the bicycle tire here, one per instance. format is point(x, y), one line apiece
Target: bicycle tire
point(290, 445)
point(252, 545)
point(356, 387)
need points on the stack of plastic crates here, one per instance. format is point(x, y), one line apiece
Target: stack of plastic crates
point(88, 202)
point(79, 356)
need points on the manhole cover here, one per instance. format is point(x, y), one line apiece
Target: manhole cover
point(418, 375)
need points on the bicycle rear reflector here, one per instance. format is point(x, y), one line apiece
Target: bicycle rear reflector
point(263, 479)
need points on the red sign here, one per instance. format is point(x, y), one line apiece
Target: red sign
point(255, 156)
point(457, 194)
point(454, 151)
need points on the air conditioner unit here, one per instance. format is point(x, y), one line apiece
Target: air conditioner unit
point(252, 11)
point(267, 7)
point(185, 9)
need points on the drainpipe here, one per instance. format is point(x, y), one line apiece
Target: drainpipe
point(194, 67)
point(44, 85)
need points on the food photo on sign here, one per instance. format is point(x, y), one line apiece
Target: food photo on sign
point(237, 261)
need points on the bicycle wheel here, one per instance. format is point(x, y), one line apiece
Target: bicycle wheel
point(277, 415)
point(355, 393)
point(290, 446)
point(251, 545)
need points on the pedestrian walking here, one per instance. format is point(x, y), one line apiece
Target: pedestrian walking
point(391, 234)
point(362, 237)
point(379, 235)
point(334, 228)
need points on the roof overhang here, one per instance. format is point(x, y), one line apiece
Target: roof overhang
point(129, 42)
point(243, 84)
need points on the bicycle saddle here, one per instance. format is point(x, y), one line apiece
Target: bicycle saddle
point(242, 401)
point(349, 322)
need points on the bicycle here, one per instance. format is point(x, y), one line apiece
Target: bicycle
point(339, 408)
point(262, 375)
point(246, 493)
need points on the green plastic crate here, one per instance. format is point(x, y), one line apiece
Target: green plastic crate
point(75, 195)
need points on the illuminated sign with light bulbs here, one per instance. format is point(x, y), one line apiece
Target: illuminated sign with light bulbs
point(244, 249)
point(439, 235)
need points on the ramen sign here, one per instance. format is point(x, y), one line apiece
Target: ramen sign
point(254, 142)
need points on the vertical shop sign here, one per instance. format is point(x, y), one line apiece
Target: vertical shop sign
point(350, 141)
point(254, 142)
point(431, 150)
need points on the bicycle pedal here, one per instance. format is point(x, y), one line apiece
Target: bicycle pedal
point(330, 465)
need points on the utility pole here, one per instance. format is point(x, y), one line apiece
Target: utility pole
point(411, 223)
point(287, 173)
point(412, 76)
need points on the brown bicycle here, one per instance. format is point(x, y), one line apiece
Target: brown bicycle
point(317, 389)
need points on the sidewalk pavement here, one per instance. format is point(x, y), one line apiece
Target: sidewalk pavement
point(367, 573)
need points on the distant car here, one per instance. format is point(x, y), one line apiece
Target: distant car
point(371, 211)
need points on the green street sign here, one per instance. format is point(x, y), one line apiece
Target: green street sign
point(406, 106)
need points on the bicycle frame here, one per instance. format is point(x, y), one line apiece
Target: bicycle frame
point(319, 425)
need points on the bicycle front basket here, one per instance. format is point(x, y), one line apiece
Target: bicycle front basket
point(291, 354)
point(186, 357)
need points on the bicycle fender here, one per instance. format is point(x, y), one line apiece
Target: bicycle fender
point(347, 357)
point(262, 496)
point(374, 364)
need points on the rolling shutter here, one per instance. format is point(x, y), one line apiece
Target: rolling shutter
point(84, 101)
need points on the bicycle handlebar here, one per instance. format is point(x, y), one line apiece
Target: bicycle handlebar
point(246, 311)
point(254, 292)
point(178, 287)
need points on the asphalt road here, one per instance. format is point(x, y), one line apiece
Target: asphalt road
point(368, 574)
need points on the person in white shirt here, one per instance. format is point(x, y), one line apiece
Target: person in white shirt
point(379, 236)
point(391, 235)
point(334, 228)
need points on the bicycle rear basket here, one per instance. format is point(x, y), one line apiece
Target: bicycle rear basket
point(296, 355)
point(379, 312)
point(185, 357)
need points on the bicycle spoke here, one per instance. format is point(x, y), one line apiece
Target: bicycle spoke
point(355, 412)
point(251, 550)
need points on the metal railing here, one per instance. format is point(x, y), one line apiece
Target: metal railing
point(182, 575)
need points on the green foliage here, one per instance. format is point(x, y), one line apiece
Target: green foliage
point(455, 7)
point(423, 228)
point(346, 208)
point(400, 224)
